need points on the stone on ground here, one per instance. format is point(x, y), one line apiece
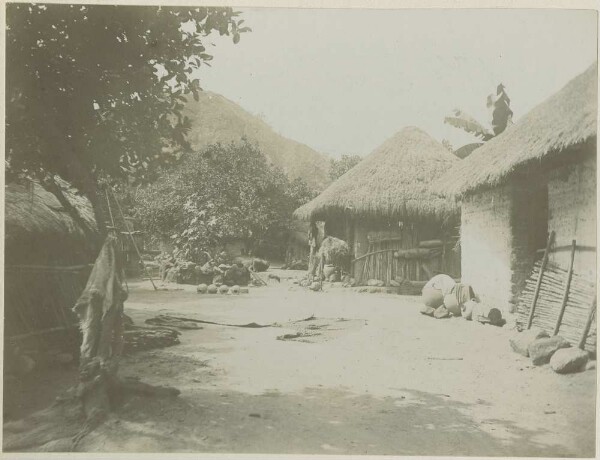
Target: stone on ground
point(315, 286)
point(541, 350)
point(374, 282)
point(520, 342)
point(568, 360)
point(425, 310)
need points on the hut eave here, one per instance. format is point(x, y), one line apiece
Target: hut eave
point(558, 125)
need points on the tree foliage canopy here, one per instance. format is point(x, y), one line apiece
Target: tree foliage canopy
point(98, 90)
point(225, 192)
point(338, 168)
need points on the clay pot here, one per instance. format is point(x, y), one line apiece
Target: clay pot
point(328, 270)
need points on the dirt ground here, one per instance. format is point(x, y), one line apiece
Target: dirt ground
point(362, 374)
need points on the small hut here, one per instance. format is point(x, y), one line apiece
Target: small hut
point(384, 209)
point(537, 177)
point(47, 257)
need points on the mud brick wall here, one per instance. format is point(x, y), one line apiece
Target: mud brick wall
point(486, 245)
point(572, 212)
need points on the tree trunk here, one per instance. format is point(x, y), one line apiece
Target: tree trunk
point(92, 192)
point(100, 310)
point(80, 175)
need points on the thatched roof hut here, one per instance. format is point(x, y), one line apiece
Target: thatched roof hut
point(393, 181)
point(47, 257)
point(536, 179)
point(38, 230)
point(566, 119)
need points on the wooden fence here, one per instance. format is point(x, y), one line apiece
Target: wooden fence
point(386, 262)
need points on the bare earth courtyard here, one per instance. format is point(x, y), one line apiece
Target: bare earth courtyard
point(367, 375)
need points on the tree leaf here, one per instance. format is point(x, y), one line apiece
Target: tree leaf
point(467, 123)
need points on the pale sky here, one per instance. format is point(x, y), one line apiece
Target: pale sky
point(344, 81)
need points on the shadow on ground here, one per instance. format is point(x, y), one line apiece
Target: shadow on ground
point(317, 421)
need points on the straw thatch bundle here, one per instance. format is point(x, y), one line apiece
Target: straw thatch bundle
point(334, 251)
point(35, 219)
point(566, 119)
point(393, 181)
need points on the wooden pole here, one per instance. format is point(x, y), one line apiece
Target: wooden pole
point(311, 261)
point(42, 332)
point(567, 288)
point(133, 241)
point(540, 276)
point(112, 220)
point(372, 253)
point(588, 324)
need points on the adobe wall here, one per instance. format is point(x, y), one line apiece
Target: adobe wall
point(486, 245)
point(572, 212)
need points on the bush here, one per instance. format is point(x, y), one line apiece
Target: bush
point(225, 192)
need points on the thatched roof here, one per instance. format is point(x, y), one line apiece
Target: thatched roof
point(393, 181)
point(35, 217)
point(566, 119)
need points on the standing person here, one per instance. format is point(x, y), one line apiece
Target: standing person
point(313, 243)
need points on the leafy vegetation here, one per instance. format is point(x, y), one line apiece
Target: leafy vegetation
point(98, 90)
point(501, 117)
point(338, 168)
point(226, 192)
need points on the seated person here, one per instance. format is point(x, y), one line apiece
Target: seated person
point(436, 289)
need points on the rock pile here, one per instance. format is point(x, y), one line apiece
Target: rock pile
point(535, 343)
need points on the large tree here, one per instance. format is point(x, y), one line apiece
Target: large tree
point(224, 192)
point(97, 90)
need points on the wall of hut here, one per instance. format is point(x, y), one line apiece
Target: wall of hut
point(572, 213)
point(504, 230)
point(367, 236)
point(47, 262)
point(486, 245)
